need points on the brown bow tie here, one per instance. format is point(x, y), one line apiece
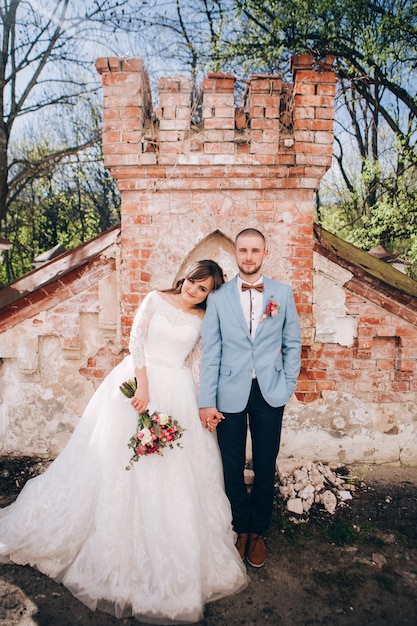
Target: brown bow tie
point(246, 286)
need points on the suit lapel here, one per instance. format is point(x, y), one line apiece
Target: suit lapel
point(232, 295)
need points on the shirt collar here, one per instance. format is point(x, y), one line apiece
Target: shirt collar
point(258, 282)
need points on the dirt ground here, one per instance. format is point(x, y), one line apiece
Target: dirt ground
point(357, 567)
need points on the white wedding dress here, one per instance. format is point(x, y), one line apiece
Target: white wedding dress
point(155, 542)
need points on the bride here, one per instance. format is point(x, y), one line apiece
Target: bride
point(155, 542)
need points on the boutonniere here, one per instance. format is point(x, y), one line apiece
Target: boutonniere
point(271, 309)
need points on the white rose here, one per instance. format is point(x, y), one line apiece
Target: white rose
point(146, 436)
point(163, 419)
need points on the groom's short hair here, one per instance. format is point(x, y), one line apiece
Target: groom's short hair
point(251, 231)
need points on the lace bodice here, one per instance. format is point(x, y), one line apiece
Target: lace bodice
point(164, 335)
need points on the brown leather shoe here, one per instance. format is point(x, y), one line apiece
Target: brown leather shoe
point(256, 551)
point(241, 541)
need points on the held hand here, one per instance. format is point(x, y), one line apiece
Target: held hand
point(210, 417)
point(140, 401)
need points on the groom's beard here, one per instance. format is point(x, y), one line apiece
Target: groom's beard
point(253, 269)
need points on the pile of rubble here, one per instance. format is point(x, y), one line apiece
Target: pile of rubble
point(303, 483)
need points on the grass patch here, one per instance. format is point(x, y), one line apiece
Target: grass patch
point(372, 540)
point(344, 582)
point(322, 527)
point(387, 583)
point(295, 534)
point(341, 532)
point(403, 539)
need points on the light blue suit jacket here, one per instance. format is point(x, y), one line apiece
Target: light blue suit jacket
point(230, 356)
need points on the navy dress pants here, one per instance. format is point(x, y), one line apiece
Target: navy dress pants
point(251, 512)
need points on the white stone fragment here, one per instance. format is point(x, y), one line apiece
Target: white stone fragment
point(379, 559)
point(300, 475)
point(300, 485)
point(295, 505)
point(304, 482)
point(291, 491)
point(329, 501)
point(307, 504)
point(307, 492)
point(344, 495)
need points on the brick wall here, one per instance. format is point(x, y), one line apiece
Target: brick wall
point(378, 361)
point(193, 171)
point(190, 169)
point(379, 367)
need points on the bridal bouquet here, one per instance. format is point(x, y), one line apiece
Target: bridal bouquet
point(154, 430)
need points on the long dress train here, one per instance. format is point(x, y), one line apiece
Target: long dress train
point(155, 542)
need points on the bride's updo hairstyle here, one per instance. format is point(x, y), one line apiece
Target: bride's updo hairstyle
point(200, 270)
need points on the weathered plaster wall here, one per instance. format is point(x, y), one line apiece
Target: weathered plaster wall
point(51, 342)
point(360, 375)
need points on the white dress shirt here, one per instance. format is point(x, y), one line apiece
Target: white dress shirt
point(252, 303)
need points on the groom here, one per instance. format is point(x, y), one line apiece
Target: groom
point(249, 369)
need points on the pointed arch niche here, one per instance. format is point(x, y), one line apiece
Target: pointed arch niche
point(215, 246)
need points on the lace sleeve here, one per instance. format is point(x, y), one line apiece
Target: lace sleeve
point(140, 330)
point(196, 362)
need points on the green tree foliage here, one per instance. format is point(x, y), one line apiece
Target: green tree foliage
point(46, 67)
point(67, 205)
point(47, 78)
point(53, 186)
point(48, 96)
point(391, 221)
point(371, 198)
point(374, 45)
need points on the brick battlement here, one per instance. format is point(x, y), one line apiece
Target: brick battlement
point(277, 121)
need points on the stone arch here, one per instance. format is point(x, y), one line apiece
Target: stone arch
point(215, 246)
